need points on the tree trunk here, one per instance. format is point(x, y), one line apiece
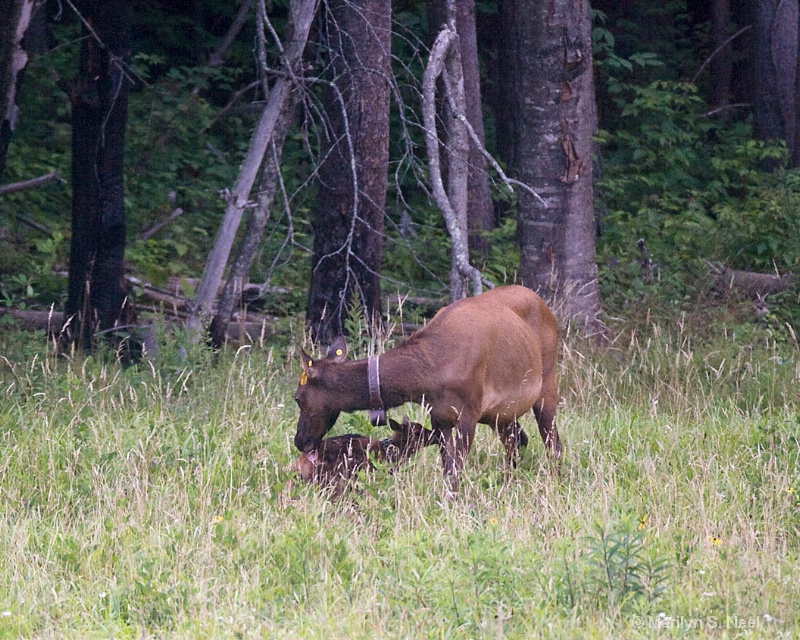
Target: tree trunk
point(721, 69)
point(504, 85)
point(480, 208)
point(17, 16)
point(775, 60)
point(348, 224)
point(99, 100)
point(555, 120)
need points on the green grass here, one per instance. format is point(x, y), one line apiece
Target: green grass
point(156, 502)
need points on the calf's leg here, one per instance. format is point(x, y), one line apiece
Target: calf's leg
point(513, 437)
point(456, 444)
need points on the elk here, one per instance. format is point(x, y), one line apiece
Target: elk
point(335, 461)
point(486, 359)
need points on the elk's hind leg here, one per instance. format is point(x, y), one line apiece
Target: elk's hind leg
point(545, 412)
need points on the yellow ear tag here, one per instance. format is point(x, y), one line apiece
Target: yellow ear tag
point(339, 352)
point(303, 378)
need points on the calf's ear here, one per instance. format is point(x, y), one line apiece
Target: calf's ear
point(395, 425)
point(338, 349)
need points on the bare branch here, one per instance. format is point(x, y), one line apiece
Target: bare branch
point(38, 226)
point(445, 42)
point(217, 58)
point(228, 107)
point(509, 182)
point(158, 226)
point(33, 183)
point(735, 105)
point(717, 50)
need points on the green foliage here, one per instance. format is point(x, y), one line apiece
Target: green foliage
point(622, 567)
point(604, 52)
point(31, 275)
point(675, 178)
point(417, 249)
point(357, 327)
point(761, 231)
point(188, 156)
point(502, 264)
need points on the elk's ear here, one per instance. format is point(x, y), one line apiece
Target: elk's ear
point(395, 425)
point(338, 349)
point(308, 364)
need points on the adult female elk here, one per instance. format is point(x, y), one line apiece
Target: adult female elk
point(485, 359)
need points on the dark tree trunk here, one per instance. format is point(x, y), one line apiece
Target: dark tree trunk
point(555, 113)
point(775, 59)
point(348, 225)
point(794, 148)
point(96, 295)
point(721, 67)
point(480, 209)
point(504, 85)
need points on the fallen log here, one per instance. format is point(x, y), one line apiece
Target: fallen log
point(250, 328)
point(749, 284)
point(33, 320)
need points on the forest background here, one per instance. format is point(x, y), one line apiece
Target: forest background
point(692, 175)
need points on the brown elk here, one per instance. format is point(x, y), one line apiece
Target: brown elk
point(486, 359)
point(335, 461)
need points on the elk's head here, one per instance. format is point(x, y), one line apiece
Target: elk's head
point(318, 399)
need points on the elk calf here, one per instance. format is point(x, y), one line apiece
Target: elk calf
point(335, 461)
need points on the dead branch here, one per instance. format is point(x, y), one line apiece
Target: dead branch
point(246, 329)
point(444, 59)
point(33, 183)
point(218, 57)
point(38, 226)
point(509, 182)
point(158, 226)
point(232, 104)
point(718, 49)
point(33, 320)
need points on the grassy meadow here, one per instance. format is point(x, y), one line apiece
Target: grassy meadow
point(156, 501)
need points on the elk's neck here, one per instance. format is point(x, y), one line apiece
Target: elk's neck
point(402, 376)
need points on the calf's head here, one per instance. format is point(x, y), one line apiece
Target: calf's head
point(408, 438)
point(318, 401)
point(335, 461)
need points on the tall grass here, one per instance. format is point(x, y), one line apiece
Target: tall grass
point(156, 502)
